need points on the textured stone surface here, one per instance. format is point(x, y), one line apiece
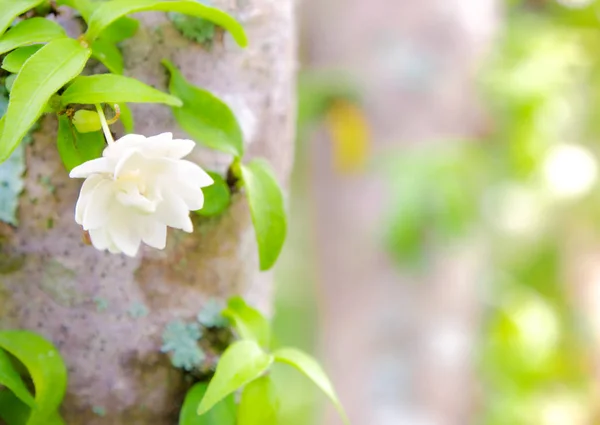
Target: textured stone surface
point(51, 282)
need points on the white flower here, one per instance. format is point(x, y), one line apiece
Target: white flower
point(570, 171)
point(136, 189)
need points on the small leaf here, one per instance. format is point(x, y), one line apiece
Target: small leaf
point(44, 73)
point(311, 368)
point(249, 322)
point(31, 31)
point(267, 209)
point(223, 413)
point(13, 8)
point(76, 148)
point(12, 410)
point(241, 363)
point(217, 197)
point(110, 11)
point(11, 379)
point(13, 62)
point(110, 88)
point(126, 118)
point(259, 404)
point(120, 30)
point(109, 54)
point(46, 368)
point(204, 116)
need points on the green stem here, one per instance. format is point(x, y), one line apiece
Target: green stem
point(107, 133)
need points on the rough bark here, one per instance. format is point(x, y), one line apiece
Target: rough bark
point(49, 278)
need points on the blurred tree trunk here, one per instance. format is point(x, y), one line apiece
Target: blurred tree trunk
point(399, 350)
point(52, 283)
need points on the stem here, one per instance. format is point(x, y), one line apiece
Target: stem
point(107, 133)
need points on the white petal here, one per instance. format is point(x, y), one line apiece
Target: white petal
point(164, 145)
point(99, 239)
point(124, 232)
point(173, 212)
point(192, 196)
point(155, 234)
point(129, 196)
point(97, 211)
point(125, 143)
point(84, 196)
point(193, 174)
point(95, 166)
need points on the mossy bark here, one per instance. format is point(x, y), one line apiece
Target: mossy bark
point(51, 281)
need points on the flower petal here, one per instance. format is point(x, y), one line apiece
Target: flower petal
point(192, 196)
point(124, 231)
point(155, 234)
point(99, 239)
point(193, 174)
point(84, 195)
point(97, 211)
point(173, 212)
point(95, 166)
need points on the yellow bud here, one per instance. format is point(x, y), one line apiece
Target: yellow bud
point(86, 121)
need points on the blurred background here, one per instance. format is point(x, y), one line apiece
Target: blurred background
point(444, 256)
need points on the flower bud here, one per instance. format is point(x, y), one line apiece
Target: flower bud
point(86, 121)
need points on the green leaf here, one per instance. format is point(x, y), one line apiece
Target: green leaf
point(311, 368)
point(109, 54)
point(12, 410)
point(217, 197)
point(111, 88)
point(30, 31)
point(268, 211)
point(11, 379)
point(46, 368)
point(241, 363)
point(204, 116)
point(223, 413)
point(54, 65)
point(76, 148)
point(13, 62)
point(110, 11)
point(259, 404)
point(13, 8)
point(126, 118)
point(249, 322)
point(120, 30)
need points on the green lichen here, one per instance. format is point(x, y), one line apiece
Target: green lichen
point(180, 339)
point(99, 411)
point(193, 28)
point(210, 316)
point(60, 283)
point(101, 304)
point(138, 310)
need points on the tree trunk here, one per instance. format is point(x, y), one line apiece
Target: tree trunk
point(51, 282)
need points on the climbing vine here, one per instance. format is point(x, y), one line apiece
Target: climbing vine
point(134, 188)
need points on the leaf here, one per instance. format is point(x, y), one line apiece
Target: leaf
point(259, 404)
point(11, 379)
point(46, 368)
point(76, 148)
point(223, 413)
point(126, 118)
point(311, 368)
point(12, 410)
point(120, 30)
point(13, 8)
point(110, 11)
point(54, 65)
point(30, 31)
point(110, 88)
point(217, 197)
point(249, 322)
point(204, 116)
point(267, 209)
point(109, 54)
point(241, 363)
point(13, 62)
